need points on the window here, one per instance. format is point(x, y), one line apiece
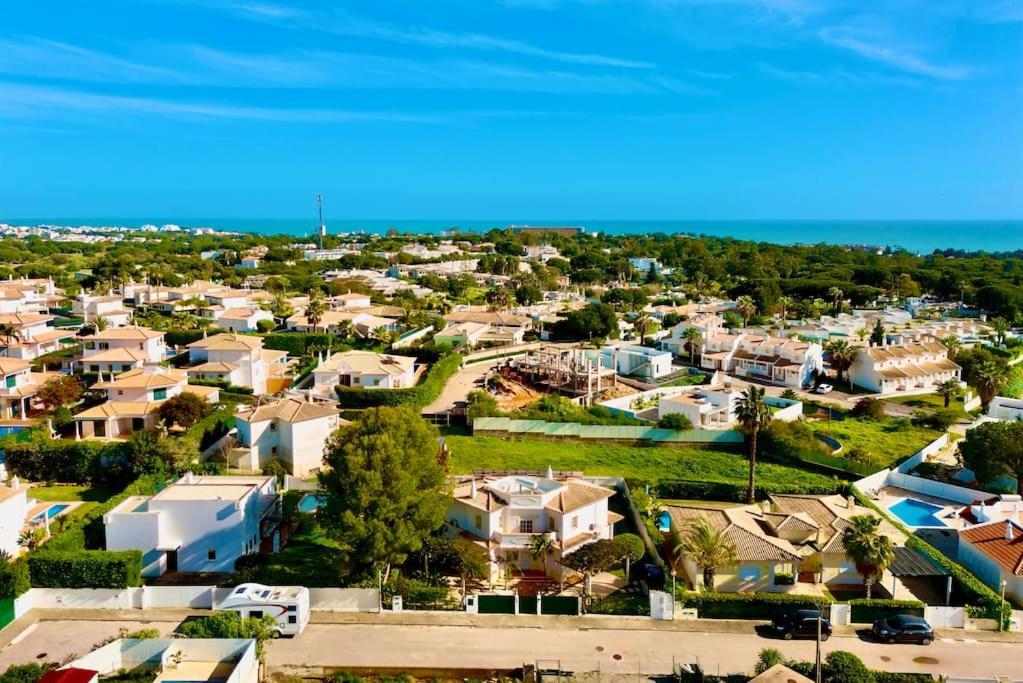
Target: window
point(211, 554)
point(575, 522)
point(93, 368)
point(11, 381)
point(159, 394)
point(273, 426)
point(749, 573)
point(292, 619)
point(255, 614)
point(479, 521)
point(273, 450)
point(525, 526)
point(120, 392)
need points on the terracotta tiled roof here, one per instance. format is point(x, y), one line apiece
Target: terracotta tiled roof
point(288, 410)
point(578, 494)
point(123, 333)
point(991, 540)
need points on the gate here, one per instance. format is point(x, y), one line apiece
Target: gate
point(527, 604)
point(6, 611)
point(498, 604)
point(560, 604)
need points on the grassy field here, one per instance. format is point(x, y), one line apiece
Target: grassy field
point(309, 559)
point(63, 494)
point(651, 464)
point(927, 402)
point(887, 440)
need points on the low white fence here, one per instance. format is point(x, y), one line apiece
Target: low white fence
point(929, 487)
point(85, 598)
point(344, 599)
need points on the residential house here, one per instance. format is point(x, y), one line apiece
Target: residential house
point(467, 334)
point(910, 367)
point(133, 401)
point(364, 369)
point(1002, 408)
point(994, 552)
point(644, 264)
point(710, 407)
point(350, 300)
point(290, 430)
point(198, 523)
point(503, 329)
point(230, 660)
point(709, 325)
point(237, 359)
point(541, 252)
point(18, 387)
point(243, 319)
point(505, 514)
point(636, 361)
point(788, 362)
point(14, 507)
point(791, 535)
point(34, 336)
point(109, 307)
point(119, 349)
point(335, 322)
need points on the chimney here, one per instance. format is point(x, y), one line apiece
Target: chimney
point(850, 503)
point(1009, 536)
point(15, 482)
point(472, 488)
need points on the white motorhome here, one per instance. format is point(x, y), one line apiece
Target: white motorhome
point(288, 605)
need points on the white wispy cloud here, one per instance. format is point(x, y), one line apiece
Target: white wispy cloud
point(791, 75)
point(337, 21)
point(34, 56)
point(833, 76)
point(892, 55)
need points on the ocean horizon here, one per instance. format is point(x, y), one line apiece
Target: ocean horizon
point(921, 236)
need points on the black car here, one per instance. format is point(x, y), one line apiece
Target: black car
point(801, 624)
point(653, 575)
point(904, 628)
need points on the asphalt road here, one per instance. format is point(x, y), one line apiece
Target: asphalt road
point(609, 650)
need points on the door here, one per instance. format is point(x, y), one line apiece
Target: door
point(172, 560)
point(138, 424)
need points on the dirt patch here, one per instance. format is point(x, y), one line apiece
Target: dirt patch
point(512, 395)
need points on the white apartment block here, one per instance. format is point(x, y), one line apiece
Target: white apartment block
point(909, 367)
point(198, 523)
point(505, 514)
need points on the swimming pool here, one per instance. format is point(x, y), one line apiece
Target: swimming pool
point(917, 513)
point(50, 512)
point(310, 502)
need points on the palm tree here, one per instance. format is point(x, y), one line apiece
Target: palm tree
point(497, 298)
point(642, 323)
point(541, 547)
point(862, 333)
point(708, 547)
point(948, 390)
point(381, 334)
point(693, 336)
point(746, 308)
point(784, 304)
point(9, 332)
point(869, 550)
point(754, 417)
point(953, 344)
point(842, 355)
point(989, 377)
point(345, 330)
point(315, 309)
point(281, 305)
point(1000, 326)
point(835, 294)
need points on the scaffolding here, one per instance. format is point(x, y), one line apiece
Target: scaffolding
point(568, 371)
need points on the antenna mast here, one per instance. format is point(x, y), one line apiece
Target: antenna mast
point(323, 228)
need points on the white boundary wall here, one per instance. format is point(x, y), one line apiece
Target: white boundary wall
point(344, 599)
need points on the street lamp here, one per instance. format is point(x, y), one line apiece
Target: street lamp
point(1001, 604)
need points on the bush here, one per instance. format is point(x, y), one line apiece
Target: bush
point(186, 337)
point(747, 605)
point(230, 625)
point(220, 384)
point(615, 603)
point(784, 579)
point(423, 394)
point(845, 667)
point(26, 673)
point(868, 408)
point(14, 579)
point(679, 489)
point(769, 657)
point(675, 421)
point(85, 569)
point(298, 343)
point(868, 611)
point(185, 409)
point(940, 420)
point(265, 326)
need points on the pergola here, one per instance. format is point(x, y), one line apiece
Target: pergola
point(911, 564)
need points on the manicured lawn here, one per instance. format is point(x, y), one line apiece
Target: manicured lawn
point(650, 464)
point(887, 440)
point(309, 559)
point(69, 493)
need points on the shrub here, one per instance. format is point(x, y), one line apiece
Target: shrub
point(26, 673)
point(940, 420)
point(85, 568)
point(299, 343)
point(628, 605)
point(423, 394)
point(769, 657)
point(747, 605)
point(265, 326)
point(868, 611)
point(13, 579)
point(675, 421)
point(868, 408)
point(185, 409)
point(186, 337)
point(784, 579)
point(230, 625)
point(845, 667)
point(277, 469)
point(220, 384)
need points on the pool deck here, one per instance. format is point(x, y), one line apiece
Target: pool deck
point(890, 495)
point(45, 505)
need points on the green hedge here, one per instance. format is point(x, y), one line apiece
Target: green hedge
point(748, 605)
point(868, 611)
point(681, 489)
point(14, 579)
point(86, 569)
point(980, 600)
point(220, 384)
point(298, 343)
point(41, 458)
point(425, 393)
point(186, 337)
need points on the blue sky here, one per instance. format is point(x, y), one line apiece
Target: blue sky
point(479, 108)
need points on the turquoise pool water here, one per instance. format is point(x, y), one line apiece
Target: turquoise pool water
point(50, 512)
point(310, 503)
point(916, 513)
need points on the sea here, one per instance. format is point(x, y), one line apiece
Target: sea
point(917, 236)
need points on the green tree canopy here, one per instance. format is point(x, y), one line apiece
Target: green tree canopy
point(994, 449)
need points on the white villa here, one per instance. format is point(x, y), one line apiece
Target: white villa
point(198, 523)
point(1002, 408)
point(109, 307)
point(911, 367)
point(14, 507)
point(35, 337)
point(363, 369)
point(639, 361)
point(231, 660)
point(706, 407)
point(350, 300)
point(499, 329)
point(120, 349)
point(289, 430)
point(243, 319)
point(787, 362)
point(237, 359)
point(994, 552)
point(505, 514)
point(18, 387)
point(133, 402)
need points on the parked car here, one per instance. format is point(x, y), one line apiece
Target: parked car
point(904, 628)
point(801, 624)
point(653, 575)
point(824, 389)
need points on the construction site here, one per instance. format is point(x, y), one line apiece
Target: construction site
point(576, 373)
